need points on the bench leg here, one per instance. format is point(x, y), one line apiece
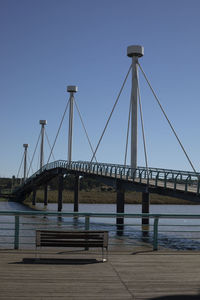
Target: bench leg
point(104, 259)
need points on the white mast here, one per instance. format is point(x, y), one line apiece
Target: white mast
point(71, 89)
point(135, 52)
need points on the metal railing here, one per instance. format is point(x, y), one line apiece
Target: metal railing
point(165, 178)
point(17, 228)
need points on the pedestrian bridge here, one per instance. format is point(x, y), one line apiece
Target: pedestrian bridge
point(175, 183)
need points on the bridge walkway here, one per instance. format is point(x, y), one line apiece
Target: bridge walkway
point(163, 181)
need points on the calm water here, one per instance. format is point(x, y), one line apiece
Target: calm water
point(171, 231)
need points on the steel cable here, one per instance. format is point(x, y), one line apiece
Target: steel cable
point(173, 130)
point(85, 129)
point(34, 153)
point(127, 135)
point(143, 134)
point(49, 144)
point(29, 164)
point(111, 112)
point(58, 131)
point(20, 165)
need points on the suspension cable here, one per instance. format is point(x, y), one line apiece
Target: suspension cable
point(111, 112)
point(38, 162)
point(173, 130)
point(49, 144)
point(34, 152)
point(143, 134)
point(29, 164)
point(127, 135)
point(20, 165)
point(58, 131)
point(85, 130)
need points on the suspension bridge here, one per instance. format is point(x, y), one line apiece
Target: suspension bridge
point(175, 183)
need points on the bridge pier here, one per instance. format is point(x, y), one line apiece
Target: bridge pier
point(120, 206)
point(145, 210)
point(45, 194)
point(60, 191)
point(34, 196)
point(76, 192)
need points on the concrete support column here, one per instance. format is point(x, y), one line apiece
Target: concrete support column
point(60, 191)
point(120, 206)
point(76, 192)
point(45, 194)
point(145, 210)
point(34, 196)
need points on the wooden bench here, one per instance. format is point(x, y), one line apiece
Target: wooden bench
point(82, 239)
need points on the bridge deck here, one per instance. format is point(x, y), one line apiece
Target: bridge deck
point(141, 274)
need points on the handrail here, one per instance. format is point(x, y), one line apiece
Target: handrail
point(141, 215)
point(87, 215)
point(126, 173)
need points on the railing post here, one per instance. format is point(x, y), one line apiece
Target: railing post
point(87, 227)
point(156, 181)
point(186, 185)
point(155, 234)
point(87, 222)
point(16, 241)
point(175, 183)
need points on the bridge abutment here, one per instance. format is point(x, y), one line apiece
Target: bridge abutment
point(120, 206)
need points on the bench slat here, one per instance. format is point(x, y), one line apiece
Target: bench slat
point(53, 238)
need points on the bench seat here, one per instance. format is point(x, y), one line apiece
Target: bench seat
point(82, 239)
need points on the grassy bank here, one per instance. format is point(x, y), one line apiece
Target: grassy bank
point(108, 197)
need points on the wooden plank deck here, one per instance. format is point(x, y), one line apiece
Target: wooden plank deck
point(142, 274)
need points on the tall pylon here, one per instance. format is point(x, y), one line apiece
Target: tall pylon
point(25, 160)
point(135, 52)
point(71, 89)
point(42, 123)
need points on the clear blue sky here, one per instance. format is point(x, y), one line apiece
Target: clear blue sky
point(49, 44)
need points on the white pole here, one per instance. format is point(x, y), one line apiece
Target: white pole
point(71, 89)
point(25, 159)
point(43, 123)
point(135, 52)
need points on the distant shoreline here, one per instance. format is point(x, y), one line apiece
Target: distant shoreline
point(107, 197)
point(104, 197)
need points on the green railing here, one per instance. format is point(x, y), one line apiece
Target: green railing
point(17, 228)
point(165, 178)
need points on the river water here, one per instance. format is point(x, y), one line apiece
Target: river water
point(173, 233)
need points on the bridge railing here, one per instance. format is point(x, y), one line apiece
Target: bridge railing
point(165, 178)
point(17, 228)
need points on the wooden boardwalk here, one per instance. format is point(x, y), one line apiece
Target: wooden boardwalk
point(64, 274)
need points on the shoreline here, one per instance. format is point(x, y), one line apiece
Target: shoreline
point(103, 197)
point(107, 197)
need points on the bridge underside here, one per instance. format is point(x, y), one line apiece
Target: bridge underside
point(46, 176)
